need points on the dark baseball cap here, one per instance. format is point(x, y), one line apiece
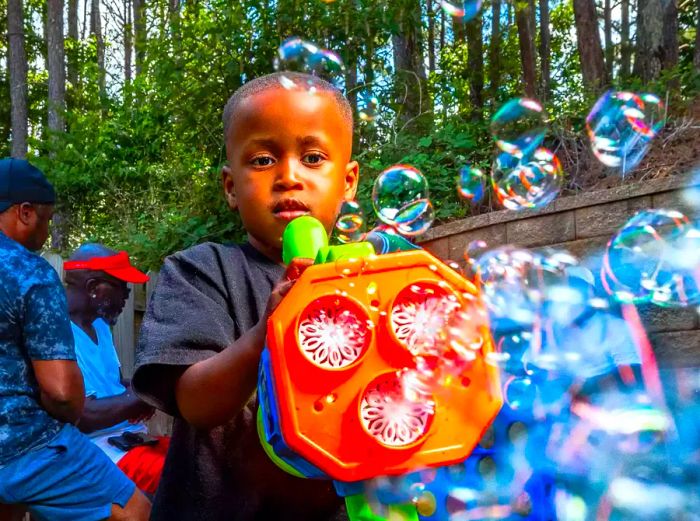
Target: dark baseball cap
point(22, 182)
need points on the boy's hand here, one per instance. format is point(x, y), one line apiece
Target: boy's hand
point(291, 274)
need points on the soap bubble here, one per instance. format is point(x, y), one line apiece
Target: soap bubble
point(519, 127)
point(505, 274)
point(654, 258)
point(463, 10)
point(326, 64)
point(416, 218)
point(299, 55)
point(532, 181)
point(519, 392)
point(367, 105)
point(294, 54)
point(621, 125)
point(470, 183)
point(400, 199)
point(350, 224)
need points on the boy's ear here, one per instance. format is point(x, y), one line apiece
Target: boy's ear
point(352, 177)
point(229, 187)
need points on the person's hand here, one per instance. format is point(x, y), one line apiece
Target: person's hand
point(291, 274)
point(143, 413)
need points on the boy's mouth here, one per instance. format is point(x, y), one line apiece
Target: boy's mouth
point(288, 209)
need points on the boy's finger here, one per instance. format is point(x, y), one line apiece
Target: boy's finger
point(284, 287)
point(296, 268)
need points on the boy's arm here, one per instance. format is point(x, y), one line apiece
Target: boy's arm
point(212, 391)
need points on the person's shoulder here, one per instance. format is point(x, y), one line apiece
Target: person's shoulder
point(205, 253)
point(211, 262)
point(28, 268)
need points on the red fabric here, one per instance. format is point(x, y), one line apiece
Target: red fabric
point(117, 265)
point(144, 464)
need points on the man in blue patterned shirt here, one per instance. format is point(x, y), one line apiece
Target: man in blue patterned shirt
point(45, 462)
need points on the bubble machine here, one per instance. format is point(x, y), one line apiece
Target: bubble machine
point(332, 402)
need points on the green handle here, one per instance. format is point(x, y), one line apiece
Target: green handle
point(303, 238)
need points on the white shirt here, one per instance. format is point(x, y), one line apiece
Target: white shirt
point(102, 376)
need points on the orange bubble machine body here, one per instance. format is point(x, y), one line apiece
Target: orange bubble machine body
point(341, 346)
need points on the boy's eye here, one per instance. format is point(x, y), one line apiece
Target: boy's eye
point(313, 158)
point(262, 161)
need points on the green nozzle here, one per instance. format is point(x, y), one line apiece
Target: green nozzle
point(303, 237)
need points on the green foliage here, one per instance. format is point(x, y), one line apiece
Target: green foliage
point(139, 166)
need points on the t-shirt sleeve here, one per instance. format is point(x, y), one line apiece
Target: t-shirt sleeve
point(47, 331)
point(187, 320)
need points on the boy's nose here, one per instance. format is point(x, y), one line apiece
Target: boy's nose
point(288, 175)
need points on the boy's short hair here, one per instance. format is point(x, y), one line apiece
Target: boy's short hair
point(275, 81)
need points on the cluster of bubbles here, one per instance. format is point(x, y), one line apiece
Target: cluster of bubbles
point(590, 428)
point(654, 257)
point(524, 173)
point(401, 202)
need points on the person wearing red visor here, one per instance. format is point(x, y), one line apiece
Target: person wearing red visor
point(97, 290)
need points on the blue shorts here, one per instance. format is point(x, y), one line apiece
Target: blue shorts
point(69, 479)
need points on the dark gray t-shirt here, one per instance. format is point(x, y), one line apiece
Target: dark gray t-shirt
point(206, 298)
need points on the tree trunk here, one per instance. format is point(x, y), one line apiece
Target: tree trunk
point(139, 33)
point(495, 50)
point(696, 55)
point(431, 36)
point(625, 47)
point(589, 48)
point(56, 65)
point(17, 65)
point(475, 65)
point(127, 42)
point(73, 35)
point(408, 62)
point(650, 51)
point(85, 18)
point(607, 30)
point(526, 42)
point(96, 30)
point(545, 49)
point(442, 29)
point(670, 34)
point(174, 15)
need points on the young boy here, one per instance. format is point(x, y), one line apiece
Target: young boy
point(288, 154)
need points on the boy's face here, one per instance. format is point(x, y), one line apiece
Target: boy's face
point(289, 155)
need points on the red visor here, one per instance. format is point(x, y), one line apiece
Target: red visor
point(117, 266)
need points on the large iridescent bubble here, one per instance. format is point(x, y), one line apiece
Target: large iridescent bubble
point(655, 257)
point(529, 181)
point(621, 125)
point(471, 183)
point(351, 222)
point(298, 55)
point(401, 200)
point(518, 127)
